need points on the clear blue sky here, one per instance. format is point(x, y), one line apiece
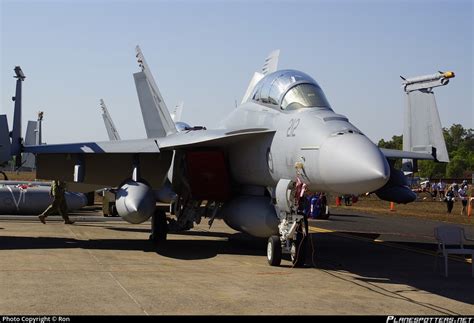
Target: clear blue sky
point(204, 53)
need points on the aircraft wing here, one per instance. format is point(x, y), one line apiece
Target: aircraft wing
point(208, 138)
point(396, 154)
point(116, 146)
point(190, 139)
point(109, 163)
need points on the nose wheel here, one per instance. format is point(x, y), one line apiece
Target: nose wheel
point(295, 246)
point(274, 251)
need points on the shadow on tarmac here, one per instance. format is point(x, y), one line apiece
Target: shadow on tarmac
point(378, 263)
point(371, 263)
point(184, 249)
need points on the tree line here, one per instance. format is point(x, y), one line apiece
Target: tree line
point(460, 146)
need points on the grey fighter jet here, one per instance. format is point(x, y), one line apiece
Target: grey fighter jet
point(285, 137)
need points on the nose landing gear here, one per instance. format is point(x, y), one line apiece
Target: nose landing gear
point(293, 227)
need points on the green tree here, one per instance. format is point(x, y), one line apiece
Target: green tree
point(395, 143)
point(431, 169)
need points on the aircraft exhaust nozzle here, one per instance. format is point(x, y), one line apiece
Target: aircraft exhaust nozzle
point(350, 163)
point(135, 202)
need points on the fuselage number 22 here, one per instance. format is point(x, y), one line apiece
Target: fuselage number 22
point(294, 123)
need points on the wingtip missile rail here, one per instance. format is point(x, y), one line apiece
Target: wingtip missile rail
point(426, 81)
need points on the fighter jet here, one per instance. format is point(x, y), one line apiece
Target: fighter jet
point(285, 137)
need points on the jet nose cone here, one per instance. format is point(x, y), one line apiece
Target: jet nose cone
point(351, 163)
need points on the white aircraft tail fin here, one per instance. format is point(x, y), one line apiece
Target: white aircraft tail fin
point(109, 124)
point(178, 110)
point(156, 117)
point(270, 66)
point(5, 144)
point(28, 159)
point(422, 131)
point(255, 78)
point(271, 62)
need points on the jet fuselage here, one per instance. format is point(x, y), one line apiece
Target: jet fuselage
point(332, 154)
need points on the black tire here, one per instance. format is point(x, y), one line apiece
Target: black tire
point(298, 250)
point(159, 226)
point(274, 251)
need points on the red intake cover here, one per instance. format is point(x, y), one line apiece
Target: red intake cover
point(208, 176)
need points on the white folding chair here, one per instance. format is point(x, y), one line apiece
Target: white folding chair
point(451, 241)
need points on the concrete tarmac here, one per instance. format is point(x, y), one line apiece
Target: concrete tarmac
point(360, 264)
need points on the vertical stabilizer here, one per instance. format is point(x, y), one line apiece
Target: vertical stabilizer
point(271, 62)
point(109, 124)
point(422, 130)
point(255, 78)
point(29, 160)
point(156, 117)
point(5, 145)
point(270, 65)
point(178, 110)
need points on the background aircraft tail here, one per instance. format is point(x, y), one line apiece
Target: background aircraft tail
point(109, 124)
point(156, 117)
point(5, 145)
point(30, 140)
point(422, 131)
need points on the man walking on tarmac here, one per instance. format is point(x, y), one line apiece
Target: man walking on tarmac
point(59, 203)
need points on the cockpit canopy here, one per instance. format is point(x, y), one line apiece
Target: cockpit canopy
point(289, 90)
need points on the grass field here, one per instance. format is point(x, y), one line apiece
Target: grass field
point(424, 208)
point(20, 176)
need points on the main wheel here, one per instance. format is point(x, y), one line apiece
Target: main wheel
point(274, 251)
point(159, 226)
point(298, 250)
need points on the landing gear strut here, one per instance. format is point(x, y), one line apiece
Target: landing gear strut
point(298, 249)
point(293, 244)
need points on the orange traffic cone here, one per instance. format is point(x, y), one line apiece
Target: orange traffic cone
point(392, 206)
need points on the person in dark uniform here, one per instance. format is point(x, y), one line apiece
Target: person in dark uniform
point(59, 203)
point(449, 198)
